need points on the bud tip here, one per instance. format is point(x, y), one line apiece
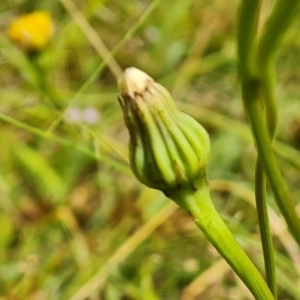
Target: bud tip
point(133, 81)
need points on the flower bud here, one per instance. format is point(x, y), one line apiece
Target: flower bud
point(169, 150)
point(31, 32)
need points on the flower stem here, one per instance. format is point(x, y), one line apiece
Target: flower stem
point(247, 47)
point(198, 203)
point(248, 20)
point(264, 227)
point(257, 70)
point(274, 28)
point(258, 93)
point(254, 108)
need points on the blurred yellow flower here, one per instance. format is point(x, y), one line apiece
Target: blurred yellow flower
point(32, 32)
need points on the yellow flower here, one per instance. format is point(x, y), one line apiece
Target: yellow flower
point(32, 32)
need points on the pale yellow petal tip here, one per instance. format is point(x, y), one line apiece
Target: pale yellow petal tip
point(32, 32)
point(133, 81)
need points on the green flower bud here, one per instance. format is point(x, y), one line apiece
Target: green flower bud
point(169, 150)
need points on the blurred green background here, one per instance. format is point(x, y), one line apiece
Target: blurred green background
point(74, 222)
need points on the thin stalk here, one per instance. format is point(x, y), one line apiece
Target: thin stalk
point(198, 203)
point(276, 26)
point(247, 45)
point(254, 98)
point(247, 29)
point(261, 135)
point(273, 31)
point(264, 226)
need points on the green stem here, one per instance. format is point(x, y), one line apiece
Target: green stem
point(264, 227)
point(246, 35)
point(267, 44)
point(276, 26)
point(247, 46)
point(267, 88)
point(261, 135)
point(258, 86)
point(198, 203)
point(273, 30)
point(254, 88)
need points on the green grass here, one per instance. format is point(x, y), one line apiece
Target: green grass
point(74, 222)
